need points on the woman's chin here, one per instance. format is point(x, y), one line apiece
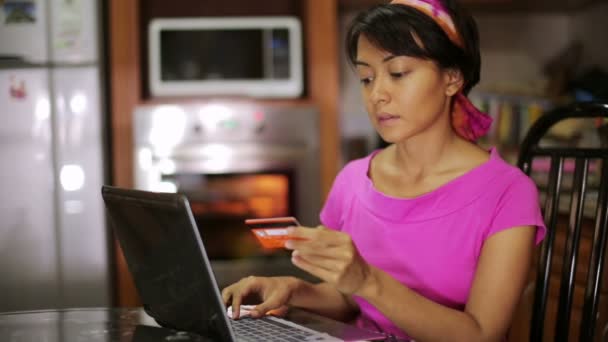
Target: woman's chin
point(391, 137)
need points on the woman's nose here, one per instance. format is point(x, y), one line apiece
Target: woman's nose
point(379, 92)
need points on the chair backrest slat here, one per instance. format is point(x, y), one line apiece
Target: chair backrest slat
point(544, 267)
point(596, 264)
point(566, 293)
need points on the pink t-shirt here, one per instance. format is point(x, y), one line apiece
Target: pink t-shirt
point(430, 243)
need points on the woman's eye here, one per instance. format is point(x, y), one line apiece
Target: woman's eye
point(365, 80)
point(398, 74)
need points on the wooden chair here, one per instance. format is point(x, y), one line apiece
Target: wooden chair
point(583, 158)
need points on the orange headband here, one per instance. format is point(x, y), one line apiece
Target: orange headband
point(435, 10)
point(468, 121)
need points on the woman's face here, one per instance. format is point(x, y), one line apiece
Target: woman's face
point(404, 96)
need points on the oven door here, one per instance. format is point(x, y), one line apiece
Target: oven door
point(221, 203)
point(228, 183)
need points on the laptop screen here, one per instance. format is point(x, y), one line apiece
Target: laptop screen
point(166, 257)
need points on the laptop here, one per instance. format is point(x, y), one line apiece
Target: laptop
point(166, 256)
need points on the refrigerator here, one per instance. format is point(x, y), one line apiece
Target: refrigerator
point(54, 246)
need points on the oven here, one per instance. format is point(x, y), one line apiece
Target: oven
point(233, 161)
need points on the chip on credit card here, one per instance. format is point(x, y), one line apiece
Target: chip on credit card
point(272, 233)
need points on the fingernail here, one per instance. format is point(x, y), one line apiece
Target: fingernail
point(288, 244)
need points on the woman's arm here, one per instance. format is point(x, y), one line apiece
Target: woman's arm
point(276, 293)
point(500, 278)
point(324, 299)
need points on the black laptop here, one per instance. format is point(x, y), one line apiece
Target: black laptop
point(166, 256)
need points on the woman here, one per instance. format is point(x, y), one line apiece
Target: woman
point(430, 238)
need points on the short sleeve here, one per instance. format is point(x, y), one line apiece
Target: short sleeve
point(333, 210)
point(518, 206)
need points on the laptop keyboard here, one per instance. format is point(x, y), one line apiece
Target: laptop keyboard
point(248, 329)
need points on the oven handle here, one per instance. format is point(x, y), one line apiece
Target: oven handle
point(239, 158)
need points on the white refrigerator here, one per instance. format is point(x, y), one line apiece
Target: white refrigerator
point(54, 249)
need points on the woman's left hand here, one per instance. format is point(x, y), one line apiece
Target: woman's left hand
point(331, 256)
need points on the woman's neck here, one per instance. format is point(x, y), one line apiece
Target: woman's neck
point(427, 154)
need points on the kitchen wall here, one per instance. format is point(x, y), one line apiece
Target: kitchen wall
point(514, 47)
point(591, 27)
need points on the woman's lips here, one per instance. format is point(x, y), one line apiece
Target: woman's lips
point(387, 119)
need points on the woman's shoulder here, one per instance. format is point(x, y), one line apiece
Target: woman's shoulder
point(508, 177)
point(510, 171)
point(492, 179)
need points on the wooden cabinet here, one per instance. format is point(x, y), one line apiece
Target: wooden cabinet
point(125, 93)
point(127, 24)
point(151, 9)
point(492, 5)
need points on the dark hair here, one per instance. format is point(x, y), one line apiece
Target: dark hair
point(395, 29)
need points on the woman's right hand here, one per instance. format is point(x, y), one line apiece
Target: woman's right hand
point(273, 293)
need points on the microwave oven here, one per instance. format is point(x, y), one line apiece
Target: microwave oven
point(248, 56)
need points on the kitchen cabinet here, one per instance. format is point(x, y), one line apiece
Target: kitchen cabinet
point(493, 5)
point(127, 27)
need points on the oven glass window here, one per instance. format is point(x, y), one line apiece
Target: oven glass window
point(221, 203)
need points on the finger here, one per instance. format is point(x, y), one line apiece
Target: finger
point(305, 244)
point(321, 248)
point(336, 237)
point(301, 232)
point(226, 294)
point(261, 309)
point(320, 235)
point(311, 232)
point(333, 253)
point(328, 263)
point(315, 242)
point(237, 300)
point(280, 312)
point(236, 306)
point(318, 272)
point(228, 291)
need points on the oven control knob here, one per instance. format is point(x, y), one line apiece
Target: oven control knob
point(260, 127)
point(229, 125)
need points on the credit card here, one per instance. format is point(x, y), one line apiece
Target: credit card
point(272, 233)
